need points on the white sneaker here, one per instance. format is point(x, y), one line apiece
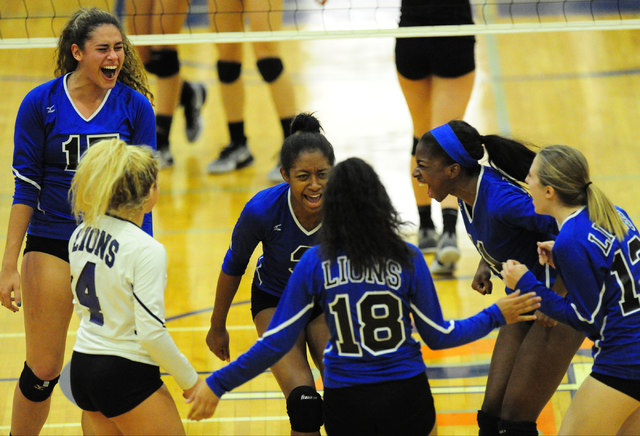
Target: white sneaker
point(274, 175)
point(427, 240)
point(438, 268)
point(232, 157)
point(447, 255)
point(448, 251)
point(165, 158)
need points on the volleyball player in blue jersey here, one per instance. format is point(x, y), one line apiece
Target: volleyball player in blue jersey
point(597, 254)
point(286, 219)
point(370, 284)
point(436, 76)
point(100, 93)
point(502, 224)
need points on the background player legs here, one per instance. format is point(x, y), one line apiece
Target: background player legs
point(46, 297)
point(293, 369)
point(167, 17)
point(434, 101)
point(273, 71)
point(229, 16)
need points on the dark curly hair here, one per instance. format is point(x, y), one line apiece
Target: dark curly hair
point(359, 219)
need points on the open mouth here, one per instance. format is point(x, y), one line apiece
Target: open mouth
point(314, 199)
point(109, 72)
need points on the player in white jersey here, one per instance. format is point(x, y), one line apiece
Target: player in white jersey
point(118, 277)
point(100, 92)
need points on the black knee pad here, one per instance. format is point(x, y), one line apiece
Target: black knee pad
point(228, 71)
point(304, 407)
point(33, 388)
point(270, 68)
point(163, 63)
point(517, 428)
point(487, 424)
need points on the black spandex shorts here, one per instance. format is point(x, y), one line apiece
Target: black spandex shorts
point(55, 247)
point(449, 57)
point(112, 385)
point(397, 407)
point(261, 300)
point(629, 387)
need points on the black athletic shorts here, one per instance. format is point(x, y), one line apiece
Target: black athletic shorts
point(112, 385)
point(261, 300)
point(448, 57)
point(442, 56)
point(397, 407)
point(55, 247)
point(628, 387)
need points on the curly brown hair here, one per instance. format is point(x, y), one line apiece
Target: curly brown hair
point(78, 30)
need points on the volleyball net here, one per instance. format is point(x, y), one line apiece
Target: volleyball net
point(38, 23)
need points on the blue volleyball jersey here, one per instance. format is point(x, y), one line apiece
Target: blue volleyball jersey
point(268, 218)
point(503, 224)
point(369, 317)
point(602, 276)
point(51, 135)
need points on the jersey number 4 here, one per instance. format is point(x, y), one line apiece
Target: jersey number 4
point(86, 293)
point(379, 318)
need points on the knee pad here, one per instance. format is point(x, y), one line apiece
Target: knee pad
point(517, 428)
point(228, 71)
point(270, 68)
point(487, 424)
point(33, 388)
point(163, 63)
point(304, 407)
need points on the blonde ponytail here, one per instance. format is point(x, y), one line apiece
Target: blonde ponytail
point(112, 176)
point(567, 171)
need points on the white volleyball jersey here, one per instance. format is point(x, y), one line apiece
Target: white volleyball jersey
point(118, 278)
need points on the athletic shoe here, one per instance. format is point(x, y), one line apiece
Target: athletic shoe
point(232, 157)
point(438, 268)
point(192, 103)
point(448, 251)
point(427, 240)
point(165, 158)
point(447, 255)
point(274, 175)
